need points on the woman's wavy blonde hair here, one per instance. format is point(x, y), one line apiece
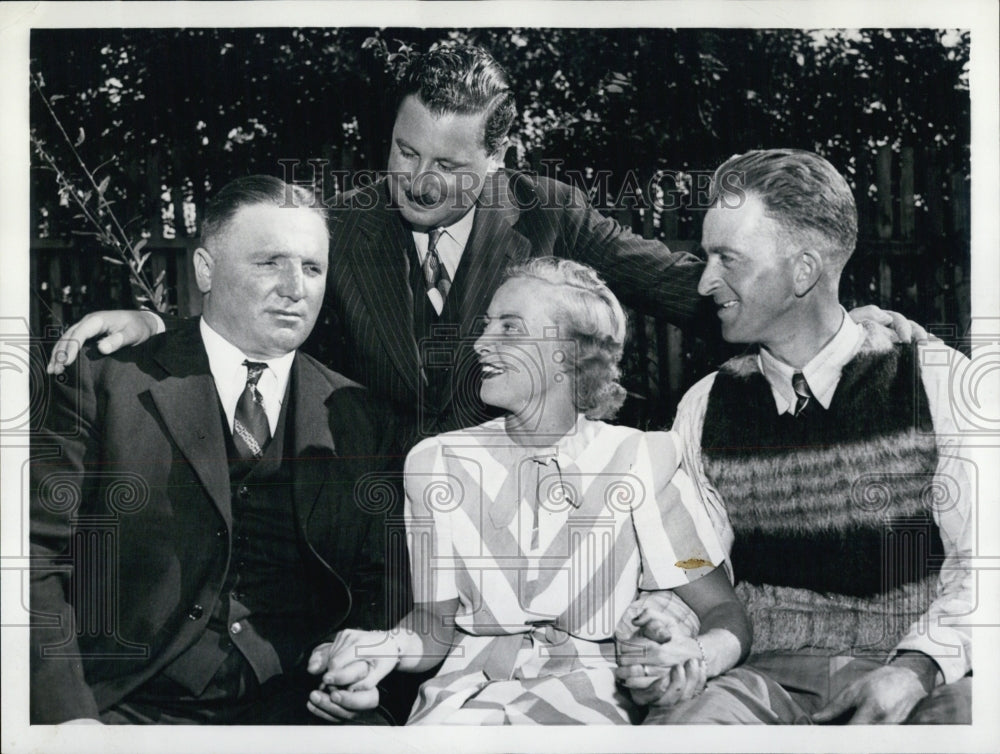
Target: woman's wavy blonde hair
point(587, 313)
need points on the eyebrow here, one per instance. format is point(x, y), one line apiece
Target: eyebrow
point(452, 161)
point(721, 250)
point(503, 315)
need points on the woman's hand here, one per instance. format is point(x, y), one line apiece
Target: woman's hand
point(351, 665)
point(656, 624)
point(643, 651)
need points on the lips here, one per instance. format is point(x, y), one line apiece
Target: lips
point(286, 314)
point(726, 306)
point(493, 369)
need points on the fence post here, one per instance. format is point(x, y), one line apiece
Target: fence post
point(907, 204)
point(883, 221)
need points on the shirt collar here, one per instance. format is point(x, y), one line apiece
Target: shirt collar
point(226, 363)
point(568, 447)
point(823, 371)
point(451, 244)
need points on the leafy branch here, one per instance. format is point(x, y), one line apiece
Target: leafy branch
point(96, 211)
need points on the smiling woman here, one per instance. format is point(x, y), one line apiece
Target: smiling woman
point(531, 534)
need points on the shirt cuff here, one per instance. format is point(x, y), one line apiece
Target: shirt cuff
point(951, 665)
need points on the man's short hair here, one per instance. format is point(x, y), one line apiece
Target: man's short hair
point(464, 80)
point(254, 189)
point(800, 190)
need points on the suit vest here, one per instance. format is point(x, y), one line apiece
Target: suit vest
point(269, 609)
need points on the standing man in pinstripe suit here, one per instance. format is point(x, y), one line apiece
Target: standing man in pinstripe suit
point(447, 210)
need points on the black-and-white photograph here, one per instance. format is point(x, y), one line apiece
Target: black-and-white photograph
point(398, 370)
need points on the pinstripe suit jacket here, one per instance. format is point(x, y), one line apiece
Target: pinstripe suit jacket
point(518, 216)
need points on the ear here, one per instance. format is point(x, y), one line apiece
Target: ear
point(808, 270)
point(497, 158)
point(203, 266)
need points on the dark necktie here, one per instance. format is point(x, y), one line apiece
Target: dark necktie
point(435, 275)
point(802, 393)
point(251, 431)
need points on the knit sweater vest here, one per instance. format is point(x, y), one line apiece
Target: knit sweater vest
point(835, 544)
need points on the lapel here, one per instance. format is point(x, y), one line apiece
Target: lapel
point(189, 406)
point(313, 444)
point(381, 268)
point(493, 245)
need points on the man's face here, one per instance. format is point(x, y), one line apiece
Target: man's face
point(265, 276)
point(437, 164)
point(749, 274)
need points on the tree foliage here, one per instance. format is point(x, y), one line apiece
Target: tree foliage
point(180, 111)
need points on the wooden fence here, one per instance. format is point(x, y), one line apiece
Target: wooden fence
point(912, 257)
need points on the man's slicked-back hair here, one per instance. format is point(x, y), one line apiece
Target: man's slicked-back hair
point(464, 80)
point(800, 190)
point(254, 189)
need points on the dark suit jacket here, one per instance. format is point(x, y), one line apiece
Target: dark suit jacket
point(131, 517)
point(371, 304)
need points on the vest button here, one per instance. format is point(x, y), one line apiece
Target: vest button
point(221, 532)
point(236, 628)
point(244, 492)
point(196, 612)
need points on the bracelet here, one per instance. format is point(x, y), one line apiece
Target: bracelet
point(701, 648)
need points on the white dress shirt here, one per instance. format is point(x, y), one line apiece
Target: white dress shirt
point(226, 362)
point(450, 247)
point(822, 373)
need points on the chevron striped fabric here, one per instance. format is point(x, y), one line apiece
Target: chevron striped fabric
point(545, 548)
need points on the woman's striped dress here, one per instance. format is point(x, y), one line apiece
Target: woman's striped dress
point(545, 548)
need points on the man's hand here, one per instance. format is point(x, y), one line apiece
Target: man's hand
point(351, 665)
point(885, 695)
point(82, 721)
point(119, 328)
point(905, 330)
point(663, 687)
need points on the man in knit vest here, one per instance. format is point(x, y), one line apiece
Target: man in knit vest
point(827, 456)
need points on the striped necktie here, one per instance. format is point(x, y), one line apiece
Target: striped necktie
point(435, 275)
point(802, 392)
point(251, 431)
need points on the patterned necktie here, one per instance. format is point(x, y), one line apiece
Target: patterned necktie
point(251, 431)
point(802, 393)
point(435, 275)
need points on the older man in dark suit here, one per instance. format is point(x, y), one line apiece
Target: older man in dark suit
point(193, 515)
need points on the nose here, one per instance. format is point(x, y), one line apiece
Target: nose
point(481, 347)
point(426, 184)
point(292, 282)
point(484, 343)
point(709, 279)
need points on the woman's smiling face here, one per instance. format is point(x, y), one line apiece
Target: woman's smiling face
point(524, 353)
